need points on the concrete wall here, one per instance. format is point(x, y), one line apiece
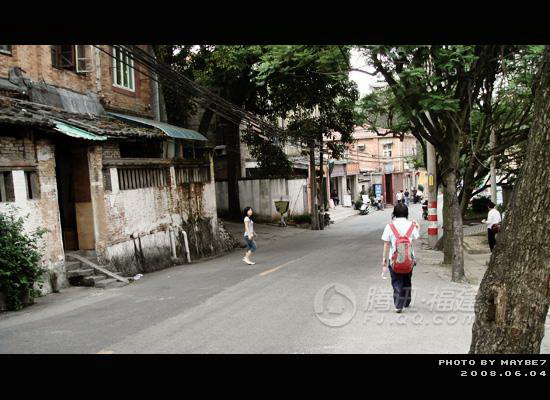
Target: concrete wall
point(42, 212)
point(260, 194)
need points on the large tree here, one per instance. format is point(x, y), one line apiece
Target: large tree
point(306, 87)
point(229, 72)
point(514, 295)
point(433, 88)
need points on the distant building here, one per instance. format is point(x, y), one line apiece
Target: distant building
point(383, 161)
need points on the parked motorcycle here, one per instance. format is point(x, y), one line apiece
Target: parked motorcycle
point(425, 209)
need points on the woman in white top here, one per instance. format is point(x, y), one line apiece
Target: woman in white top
point(401, 283)
point(493, 218)
point(249, 235)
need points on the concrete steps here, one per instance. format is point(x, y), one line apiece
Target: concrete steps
point(81, 274)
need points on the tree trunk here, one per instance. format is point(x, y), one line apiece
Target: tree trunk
point(452, 219)
point(514, 295)
point(467, 187)
point(232, 138)
point(313, 184)
point(456, 229)
point(447, 239)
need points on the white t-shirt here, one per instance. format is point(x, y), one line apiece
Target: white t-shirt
point(250, 231)
point(402, 225)
point(493, 218)
point(399, 196)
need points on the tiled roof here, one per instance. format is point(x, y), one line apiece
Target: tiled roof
point(21, 112)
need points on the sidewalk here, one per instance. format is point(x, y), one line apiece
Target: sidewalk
point(340, 213)
point(268, 232)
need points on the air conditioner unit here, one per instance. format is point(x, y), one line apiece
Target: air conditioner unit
point(221, 150)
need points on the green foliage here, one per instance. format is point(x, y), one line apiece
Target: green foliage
point(19, 260)
point(421, 187)
point(480, 204)
point(308, 86)
point(301, 218)
point(272, 160)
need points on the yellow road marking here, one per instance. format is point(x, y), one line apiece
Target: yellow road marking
point(105, 352)
point(276, 268)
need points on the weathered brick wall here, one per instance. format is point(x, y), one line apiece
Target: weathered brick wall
point(137, 102)
point(36, 61)
point(16, 148)
point(44, 211)
point(133, 226)
point(111, 150)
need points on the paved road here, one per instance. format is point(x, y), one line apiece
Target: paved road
point(225, 306)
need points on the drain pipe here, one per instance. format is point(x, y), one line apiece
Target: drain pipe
point(186, 246)
point(173, 243)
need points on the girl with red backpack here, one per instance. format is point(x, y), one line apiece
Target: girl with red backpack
point(398, 255)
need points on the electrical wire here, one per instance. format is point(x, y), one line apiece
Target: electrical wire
point(194, 95)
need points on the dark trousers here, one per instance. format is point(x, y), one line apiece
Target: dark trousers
point(492, 238)
point(402, 288)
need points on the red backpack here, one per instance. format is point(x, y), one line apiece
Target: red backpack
point(402, 258)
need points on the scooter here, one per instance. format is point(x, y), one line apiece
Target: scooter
point(364, 209)
point(425, 209)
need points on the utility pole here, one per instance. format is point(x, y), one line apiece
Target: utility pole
point(492, 141)
point(432, 195)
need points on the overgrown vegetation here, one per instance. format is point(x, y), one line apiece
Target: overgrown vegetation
point(20, 256)
point(301, 218)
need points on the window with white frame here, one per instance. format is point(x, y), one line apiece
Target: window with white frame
point(123, 70)
point(387, 149)
point(361, 147)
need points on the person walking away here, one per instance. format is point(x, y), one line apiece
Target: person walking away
point(406, 196)
point(398, 255)
point(493, 222)
point(249, 235)
point(415, 200)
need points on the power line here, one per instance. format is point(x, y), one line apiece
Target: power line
point(223, 107)
point(191, 96)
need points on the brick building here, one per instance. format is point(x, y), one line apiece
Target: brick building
point(83, 152)
point(383, 161)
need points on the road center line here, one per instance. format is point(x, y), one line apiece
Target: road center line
point(278, 267)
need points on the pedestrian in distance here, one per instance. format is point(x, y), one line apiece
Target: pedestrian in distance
point(415, 199)
point(493, 222)
point(249, 235)
point(398, 255)
point(406, 197)
point(399, 196)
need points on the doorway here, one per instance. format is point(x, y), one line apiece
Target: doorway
point(74, 196)
point(389, 189)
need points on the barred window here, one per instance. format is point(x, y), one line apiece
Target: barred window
point(138, 178)
point(192, 175)
point(33, 185)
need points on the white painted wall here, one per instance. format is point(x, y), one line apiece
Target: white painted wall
point(260, 194)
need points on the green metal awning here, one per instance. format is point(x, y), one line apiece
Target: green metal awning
point(170, 130)
point(73, 131)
